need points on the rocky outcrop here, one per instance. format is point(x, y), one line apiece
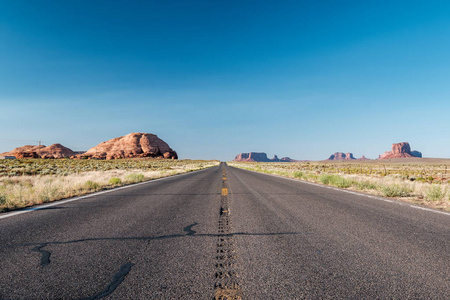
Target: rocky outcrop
point(363, 158)
point(260, 157)
point(341, 156)
point(400, 150)
point(130, 146)
point(41, 151)
point(56, 151)
point(252, 157)
point(416, 153)
point(287, 159)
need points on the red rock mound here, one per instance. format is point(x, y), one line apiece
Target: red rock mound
point(31, 151)
point(130, 146)
point(341, 156)
point(400, 150)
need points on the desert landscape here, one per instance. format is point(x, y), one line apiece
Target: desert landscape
point(400, 173)
point(44, 174)
point(226, 150)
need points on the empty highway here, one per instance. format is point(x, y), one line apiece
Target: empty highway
point(225, 233)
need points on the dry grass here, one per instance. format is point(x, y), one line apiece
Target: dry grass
point(26, 190)
point(420, 181)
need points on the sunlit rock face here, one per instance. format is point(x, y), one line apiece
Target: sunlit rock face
point(133, 145)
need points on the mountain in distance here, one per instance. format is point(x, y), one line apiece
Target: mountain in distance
point(345, 156)
point(260, 157)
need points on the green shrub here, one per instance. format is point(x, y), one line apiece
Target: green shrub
point(335, 180)
point(115, 181)
point(2, 199)
point(91, 185)
point(395, 190)
point(342, 182)
point(133, 178)
point(366, 185)
point(325, 179)
point(297, 174)
point(435, 192)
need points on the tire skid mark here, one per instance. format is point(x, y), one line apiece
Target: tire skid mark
point(45, 255)
point(116, 281)
point(227, 283)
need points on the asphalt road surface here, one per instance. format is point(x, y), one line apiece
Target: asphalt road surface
point(225, 233)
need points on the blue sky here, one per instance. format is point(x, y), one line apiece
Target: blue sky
point(215, 78)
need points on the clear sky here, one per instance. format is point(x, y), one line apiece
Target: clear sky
point(301, 79)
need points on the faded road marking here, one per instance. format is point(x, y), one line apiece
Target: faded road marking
point(224, 191)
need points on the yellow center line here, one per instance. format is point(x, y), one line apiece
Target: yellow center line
point(224, 191)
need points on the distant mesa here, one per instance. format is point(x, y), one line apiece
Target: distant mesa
point(345, 156)
point(260, 157)
point(41, 151)
point(400, 150)
point(133, 145)
point(341, 156)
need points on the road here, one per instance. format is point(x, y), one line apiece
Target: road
point(225, 232)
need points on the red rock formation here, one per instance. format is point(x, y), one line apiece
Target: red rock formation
point(400, 150)
point(341, 156)
point(130, 146)
point(363, 158)
point(30, 151)
point(287, 159)
point(252, 157)
point(260, 157)
point(56, 151)
point(30, 154)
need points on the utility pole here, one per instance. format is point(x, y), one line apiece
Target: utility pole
point(39, 149)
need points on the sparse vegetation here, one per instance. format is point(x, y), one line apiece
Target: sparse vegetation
point(115, 181)
point(297, 174)
point(92, 186)
point(424, 181)
point(335, 180)
point(435, 192)
point(134, 178)
point(395, 190)
point(25, 182)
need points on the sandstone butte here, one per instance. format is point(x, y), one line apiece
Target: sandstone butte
point(341, 156)
point(345, 156)
point(400, 150)
point(41, 151)
point(133, 145)
point(260, 157)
